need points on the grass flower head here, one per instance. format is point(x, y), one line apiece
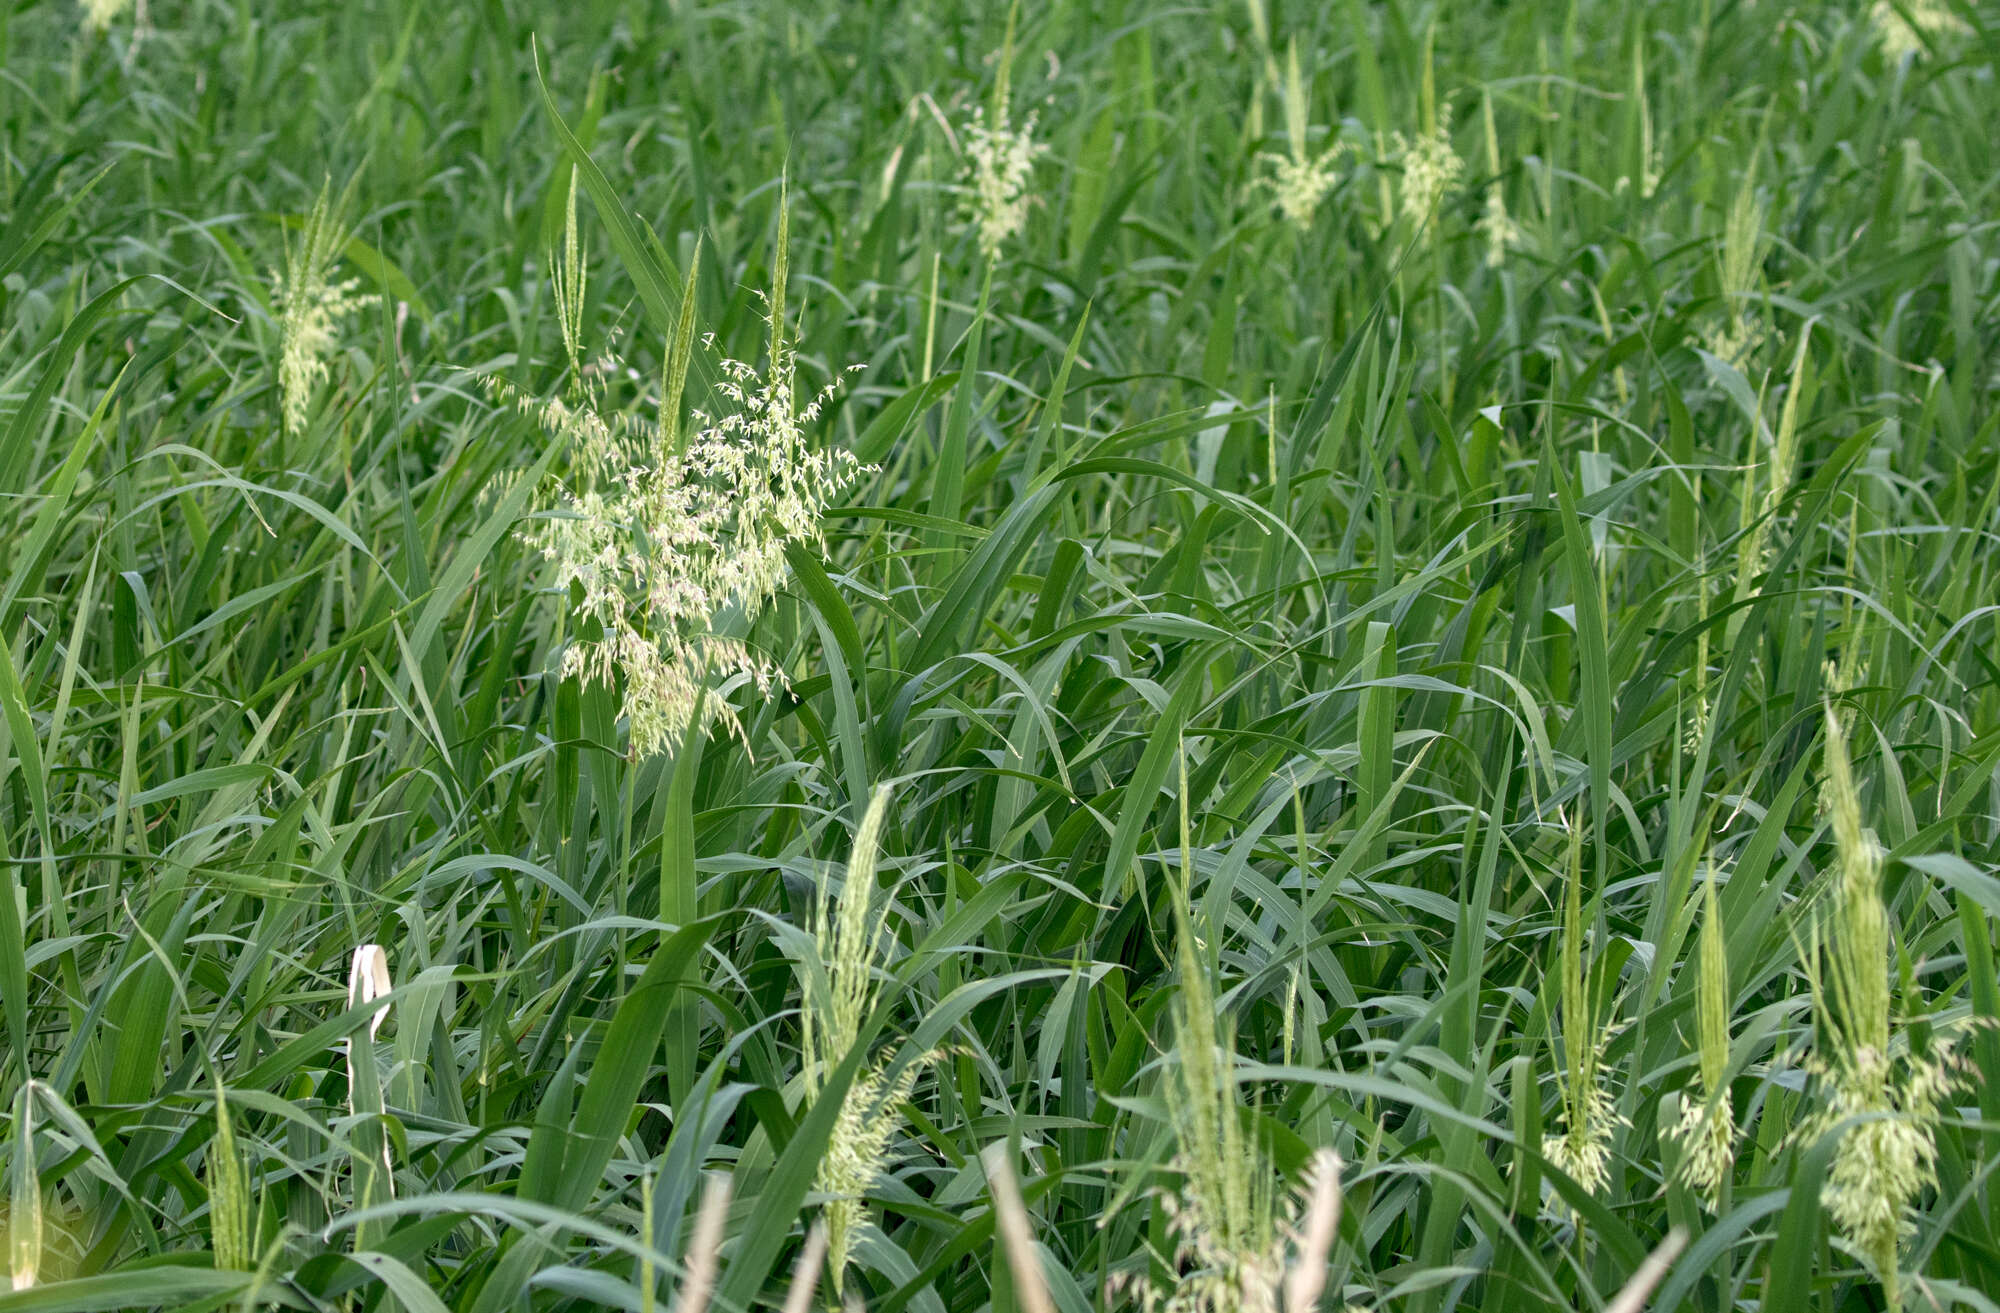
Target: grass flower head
point(1497, 228)
point(1888, 1097)
point(566, 284)
point(311, 304)
point(1907, 28)
point(1589, 1117)
point(1000, 160)
point(1241, 1244)
point(849, 933)
point(1495, 225)
point(1299, 181)
point(1739, 262)
point(658, 537)
point(99, 15)
point(1706, 1130)
point(1431, 168)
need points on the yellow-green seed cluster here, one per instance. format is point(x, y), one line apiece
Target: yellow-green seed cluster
point(849, 934)
point(1300, 180)
point(99, 15)
point(1908, 28)
point(1881, 1097)
point(311, 304)
point(659, 539)
point(1000, 160)
point(1431, 168)
point(1706, 1130)
point(1589, 1117)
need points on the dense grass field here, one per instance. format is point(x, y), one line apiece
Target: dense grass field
point(1336, 656)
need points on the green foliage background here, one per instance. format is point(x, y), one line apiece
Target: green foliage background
point(1412, 563)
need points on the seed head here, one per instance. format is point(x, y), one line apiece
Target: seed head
point(1590, 1121)
point(657, 537)
point(1706, 1134)
point(1431, 168)
point(1495, 225)
point(1298, 185)
point(1299, 180)
point(1649, 154)
point(1283, 1271)
point(99, 15)
point(1735, 338)
point(1235, 1237)
point(1887, 1156)
point(1000, 161)
point(310, 304)
point(1857, 964)
point(1589, 1118)
point(1866, 1071)
point(1243, 1244)
point(566, 283)
point(229, 1210)
point(1744, 241)
point(1901, 28)
point(1706, 1131)
point(849, 933)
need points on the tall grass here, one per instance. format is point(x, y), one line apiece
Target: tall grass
point(1492, 642)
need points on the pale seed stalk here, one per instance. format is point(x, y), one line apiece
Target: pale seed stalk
point(229, 1208)
point(1706, 1131)
point(1883, 1099)
point(310, 304)
point(849, 935)
point(1582, 1150)
point(566, 284)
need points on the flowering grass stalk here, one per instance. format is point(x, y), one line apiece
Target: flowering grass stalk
point(1649, 161)
point(1000, 159)
point(99, 15)
point(1752, 549)
point(1495, 225)
point(1240, 1246)
point(1590, 1119)
point(1223, 1211)
point(849, 933)
point(1706, 1131)
point(567, 276)
point(1881, 1097)
point(310, 304)
point(1431, 167)
point(1738, 335)
point(659, 538)
point(1299, 180)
